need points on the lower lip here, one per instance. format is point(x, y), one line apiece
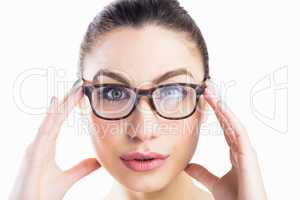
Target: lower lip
point(146, 165)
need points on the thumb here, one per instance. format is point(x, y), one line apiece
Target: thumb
point(202, 175)
point(82, 169)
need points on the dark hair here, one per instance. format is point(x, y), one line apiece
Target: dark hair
point(136, 13)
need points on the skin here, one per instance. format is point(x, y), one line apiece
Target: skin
point(143, 55)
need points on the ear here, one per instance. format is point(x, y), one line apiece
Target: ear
point(202, 107)
point(83, 106)
point(204, 104)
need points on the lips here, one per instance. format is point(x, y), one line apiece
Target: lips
point(138, 161)
point(143, 156)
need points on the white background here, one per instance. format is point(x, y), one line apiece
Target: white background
point(252, 47)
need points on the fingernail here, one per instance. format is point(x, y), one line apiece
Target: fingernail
point(52, 100)
point(76, 82)
point(76, 85)
point(212, 88)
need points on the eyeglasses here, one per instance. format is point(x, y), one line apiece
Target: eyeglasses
point(112, 101)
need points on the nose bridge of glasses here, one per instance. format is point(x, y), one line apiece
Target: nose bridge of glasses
point(144, 92)
point(144, 97)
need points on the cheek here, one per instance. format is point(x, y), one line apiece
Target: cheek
point(105, 139)
point(187, 140)
point(179, 138)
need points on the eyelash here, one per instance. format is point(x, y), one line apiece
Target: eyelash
point(181, 90)
point(104, 92)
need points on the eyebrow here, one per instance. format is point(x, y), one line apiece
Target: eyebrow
point(117, 76)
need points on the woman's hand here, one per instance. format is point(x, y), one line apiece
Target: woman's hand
point(40, 178)
point(244, 180)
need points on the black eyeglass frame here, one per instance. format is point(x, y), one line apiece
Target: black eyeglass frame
point(90, 86)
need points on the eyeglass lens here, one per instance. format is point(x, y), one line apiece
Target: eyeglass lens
point(172, 101)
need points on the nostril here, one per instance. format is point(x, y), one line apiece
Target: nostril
point(141, 136)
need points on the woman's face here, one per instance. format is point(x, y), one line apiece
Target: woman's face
point(142, 55)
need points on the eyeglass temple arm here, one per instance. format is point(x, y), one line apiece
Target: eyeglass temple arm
point(80, 82)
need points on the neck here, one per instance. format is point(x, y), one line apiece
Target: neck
point(182, 187)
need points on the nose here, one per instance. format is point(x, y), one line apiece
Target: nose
point(143, 122)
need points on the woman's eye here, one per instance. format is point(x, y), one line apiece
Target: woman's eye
point(113, 93)
point(172, 92)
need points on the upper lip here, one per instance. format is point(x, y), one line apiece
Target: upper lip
point(143, 155)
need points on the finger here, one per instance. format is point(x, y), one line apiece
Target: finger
point(65, 107)
point(226, 126)
point(57, 113)
point(250, 177)
point(228, 135)
point(81, 170)
point(239, 131)
point(235, 129)
point(202, 175)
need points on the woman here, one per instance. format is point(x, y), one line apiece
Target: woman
point(143, 66)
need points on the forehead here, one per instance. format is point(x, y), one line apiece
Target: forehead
point(143, 54)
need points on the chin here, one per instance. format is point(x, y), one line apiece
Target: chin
point(149, 181)
point(146, 183)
